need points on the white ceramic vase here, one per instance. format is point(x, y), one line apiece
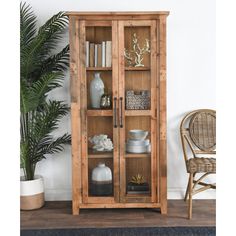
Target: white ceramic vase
point(96, 90)
point(102, 173)
point(101, 184)
point(31, 193)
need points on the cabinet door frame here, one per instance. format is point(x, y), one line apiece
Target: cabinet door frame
point(153, 111)
point(84, 117)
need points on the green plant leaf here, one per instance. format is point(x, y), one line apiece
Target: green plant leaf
point(42, 67)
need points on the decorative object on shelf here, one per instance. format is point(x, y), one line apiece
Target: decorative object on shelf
point(101, 184)
point(101, 142)
point(138, 185)
point(138, 142)
point(98, 54)
point(105, 102)
point(142, 146)
point(138, 134)
point(137, 179)
point(134, 56)
point(138, 100)
point(96, 90)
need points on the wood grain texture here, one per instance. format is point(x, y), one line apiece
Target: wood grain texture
point(162, 124)
point(86, 122)
point(121, 93)
point(73, 32)
point(83, 105)
point(115, 94)
point(153, 59)
point(58, 215)
point(75, 115)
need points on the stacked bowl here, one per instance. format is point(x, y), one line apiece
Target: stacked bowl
point(137, 143)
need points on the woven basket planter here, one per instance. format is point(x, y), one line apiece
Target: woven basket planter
point(138, 100)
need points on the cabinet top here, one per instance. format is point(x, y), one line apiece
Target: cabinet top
point(141, 14)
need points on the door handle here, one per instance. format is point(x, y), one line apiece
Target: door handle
point(121, 115)
point(114, 112)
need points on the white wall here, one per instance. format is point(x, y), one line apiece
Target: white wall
point(190, 79)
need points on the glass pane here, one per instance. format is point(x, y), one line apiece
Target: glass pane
point(137, 86)
point(99, 105)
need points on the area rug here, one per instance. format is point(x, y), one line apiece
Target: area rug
point(137, 231)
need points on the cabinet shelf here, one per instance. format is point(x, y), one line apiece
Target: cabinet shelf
point(95, 112)
point(138, 112)
point(139, 195)
point(137, 155)
point(98, 68)
point(144, 68)
point(96, 154)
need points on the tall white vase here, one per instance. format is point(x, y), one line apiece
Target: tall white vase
point(96, 90)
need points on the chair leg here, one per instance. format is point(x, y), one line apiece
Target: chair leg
point(190, 196)
point(187, 190)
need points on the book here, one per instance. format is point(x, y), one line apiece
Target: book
point(108, 53)
point(103, 54)
point(99, 55)
point(87, 53)
point(137, 187)
point(96, 55)
point(91, 54)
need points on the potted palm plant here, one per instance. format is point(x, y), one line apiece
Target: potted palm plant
point(42, 70)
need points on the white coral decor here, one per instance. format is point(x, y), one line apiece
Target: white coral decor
point(101, 142)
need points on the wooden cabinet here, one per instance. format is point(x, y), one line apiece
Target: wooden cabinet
point(119, 27)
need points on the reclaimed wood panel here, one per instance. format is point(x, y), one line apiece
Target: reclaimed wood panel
point(75, 116)
point(162, 124)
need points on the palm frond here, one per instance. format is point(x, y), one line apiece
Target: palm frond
point(53, 31)
point(41, 72)
point(56, 63)
point(39, 49)
point(34, 95)
point(47, 119)
point(27, 24)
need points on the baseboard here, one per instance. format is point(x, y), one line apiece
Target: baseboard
point(173, 193)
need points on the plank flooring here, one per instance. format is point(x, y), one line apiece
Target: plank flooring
point(58, 215)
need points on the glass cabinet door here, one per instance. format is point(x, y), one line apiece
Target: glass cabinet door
point(138, 111)
point(99, 82)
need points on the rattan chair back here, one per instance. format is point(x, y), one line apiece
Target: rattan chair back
point(198, 130)
point(198, 133)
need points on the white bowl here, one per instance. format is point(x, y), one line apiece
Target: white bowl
point(138, 134)
point(138, 149)
point(132, 142)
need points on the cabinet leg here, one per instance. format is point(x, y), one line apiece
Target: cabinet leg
point(164, 208)
point(76, 211)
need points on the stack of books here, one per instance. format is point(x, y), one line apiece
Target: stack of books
point(99, 55)
point(133, 188)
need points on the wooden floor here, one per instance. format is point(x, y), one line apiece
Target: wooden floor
point(58, 215)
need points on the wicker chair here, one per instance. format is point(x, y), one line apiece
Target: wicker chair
point(198, 136)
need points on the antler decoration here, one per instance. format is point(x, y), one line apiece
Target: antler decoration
point(137, 51)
